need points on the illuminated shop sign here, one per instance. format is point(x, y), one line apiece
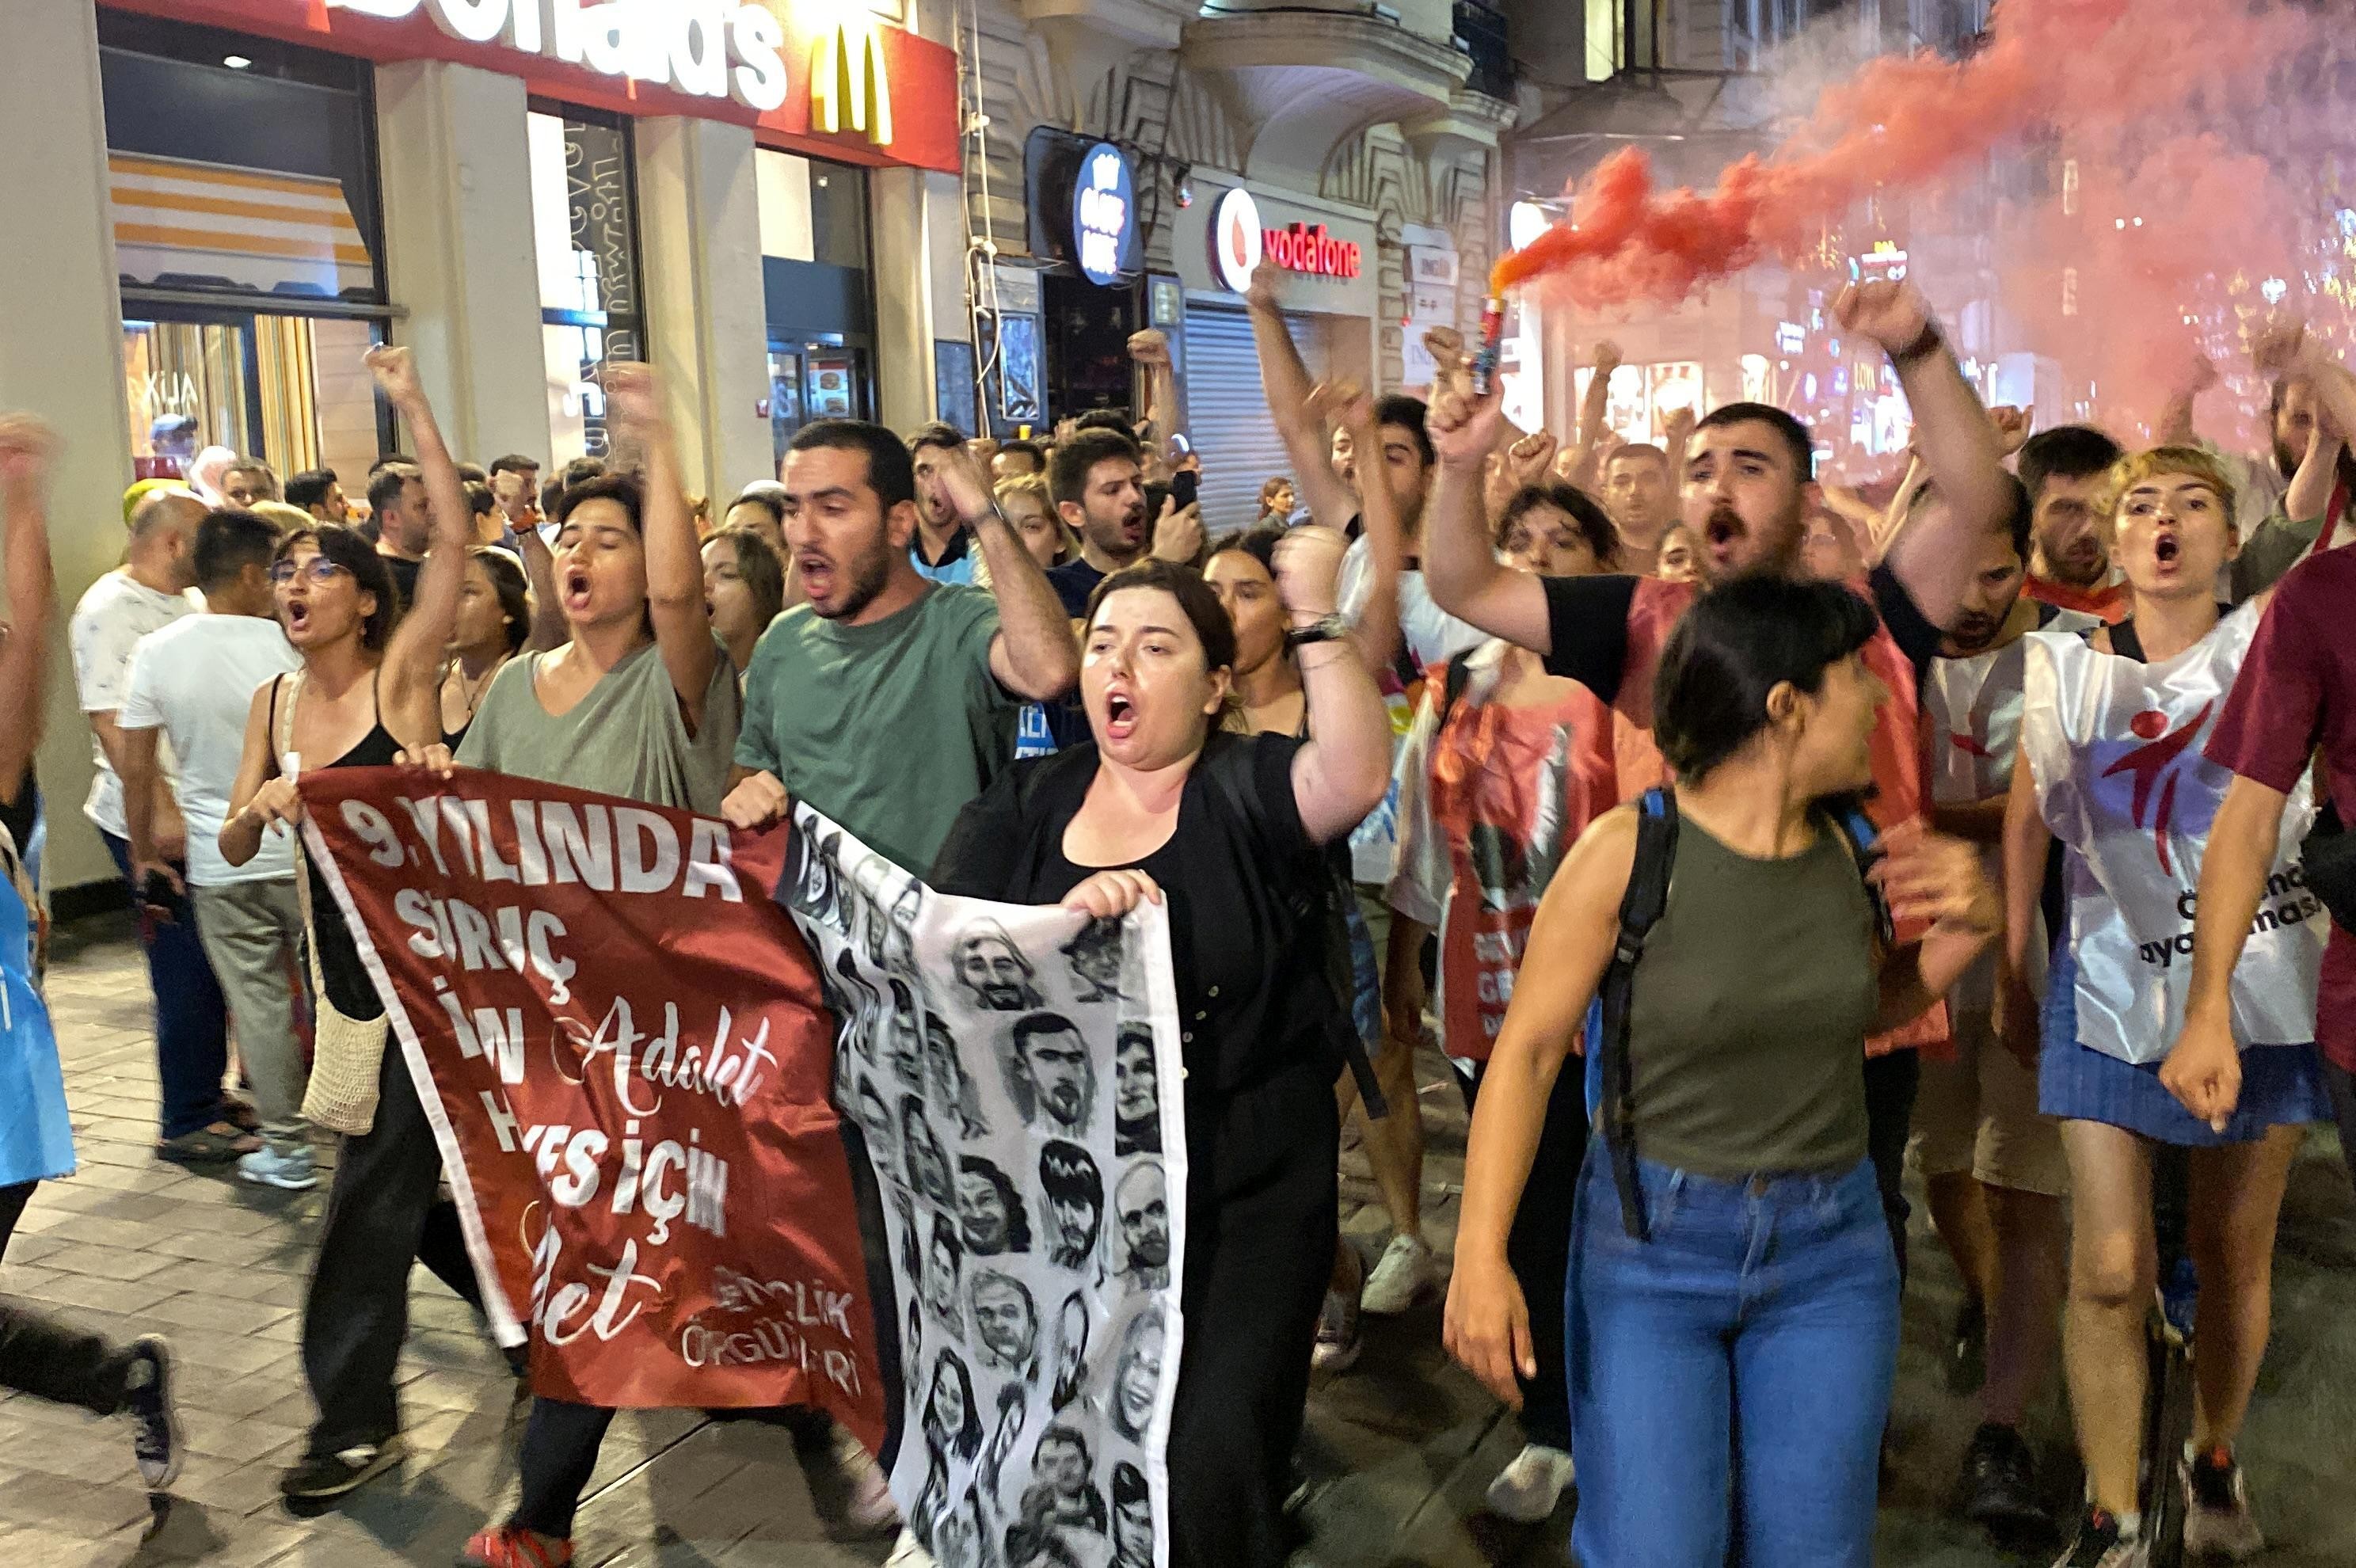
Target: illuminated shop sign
point(709, 49)
point(1238, 241)
point(1103, 198)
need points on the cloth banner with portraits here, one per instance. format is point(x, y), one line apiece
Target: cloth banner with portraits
point(1005, 1067)
point(620, 1042)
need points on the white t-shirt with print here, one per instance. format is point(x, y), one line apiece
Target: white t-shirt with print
point(194, 681)
point(107, 625)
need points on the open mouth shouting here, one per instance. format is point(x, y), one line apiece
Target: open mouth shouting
point(2167, 550)
point(573, 589)
point(815, 574)
point(299, 616)
point(1120, 713)
point(1132, 525)
point(1723, 532)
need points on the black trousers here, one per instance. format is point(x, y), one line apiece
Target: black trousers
point(2342, 1084)
point(385, 1212)
point(1262, 1220)
point(1538, 1247)
point(45, 1357)
point(1891, 1083)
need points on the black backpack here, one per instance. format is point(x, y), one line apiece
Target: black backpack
point(1609, 1105)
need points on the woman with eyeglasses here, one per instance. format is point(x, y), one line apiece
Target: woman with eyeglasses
point(369, 685)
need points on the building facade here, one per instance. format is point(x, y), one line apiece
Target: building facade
point(232, 199)
point(1138, 157)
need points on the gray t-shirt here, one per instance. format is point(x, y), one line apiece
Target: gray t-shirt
point(627, 737)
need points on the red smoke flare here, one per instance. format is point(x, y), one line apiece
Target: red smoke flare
point(2093, 71)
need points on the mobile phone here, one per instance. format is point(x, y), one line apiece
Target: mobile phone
point(1185, 487)
point(156, 893)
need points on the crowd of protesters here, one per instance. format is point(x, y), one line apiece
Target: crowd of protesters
point(1835, 829)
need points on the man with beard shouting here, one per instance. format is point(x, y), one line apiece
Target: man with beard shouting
point(1748, 491)
point(1097, 484)
point(878, 655)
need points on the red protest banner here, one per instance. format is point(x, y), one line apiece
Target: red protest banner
point(630, 1063)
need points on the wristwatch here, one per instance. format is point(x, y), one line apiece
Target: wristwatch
point(1329, 628)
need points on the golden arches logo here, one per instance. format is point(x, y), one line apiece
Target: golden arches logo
point(850, 85)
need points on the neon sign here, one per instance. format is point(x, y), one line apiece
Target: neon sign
point(1102, 197)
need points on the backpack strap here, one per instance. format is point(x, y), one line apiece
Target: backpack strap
point(1610, 1101)
point(1864, 841)
point(1453, 683)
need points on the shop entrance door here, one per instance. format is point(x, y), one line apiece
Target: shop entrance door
point(290, 390)
point(812, 378)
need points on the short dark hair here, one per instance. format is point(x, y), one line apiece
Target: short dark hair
point(1033, 1024)
point(1796, 439)
point(891, 471)
point(764, 574)
point(551, 493)
point(621, 487)
point(388, 460)
point(309, 487)
point(479, 500)
point(1025, 449)
point(935, 434)
point(766, 500)
point(514, 591)
point(1197, 602)
point(350, 550)
point(227, 541)
point(2020, 519)
point(1594, 522)
point(2066, 452)
point(1068, 1172)
point(515, 463)
point(1258, 542)
point(1112, 419)
point(386, 484)
point(1409, 414)
point(1067, 472)
point(474, 473)
point(1737, 643)
point(1638, 449)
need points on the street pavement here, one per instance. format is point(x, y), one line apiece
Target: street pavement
point(1396, 1458)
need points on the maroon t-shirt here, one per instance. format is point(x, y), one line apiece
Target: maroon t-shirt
point(2297, 692)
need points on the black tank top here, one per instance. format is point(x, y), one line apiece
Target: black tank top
point(350, 989)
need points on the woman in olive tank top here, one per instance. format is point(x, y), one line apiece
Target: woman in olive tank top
point(1742, 1347)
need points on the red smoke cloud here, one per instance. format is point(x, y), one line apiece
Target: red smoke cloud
point(2108, 75)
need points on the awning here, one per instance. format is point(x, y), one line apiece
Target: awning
point(181, 222)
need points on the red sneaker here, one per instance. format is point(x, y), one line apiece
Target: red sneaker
point(511, 1546)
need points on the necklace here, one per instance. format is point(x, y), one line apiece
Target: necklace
point(471, 692)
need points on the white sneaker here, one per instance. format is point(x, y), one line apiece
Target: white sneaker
point(1404, 1274)
point(2217, 1522)
point(292, 1172)
point(908, 1552)
point(1526, 1490)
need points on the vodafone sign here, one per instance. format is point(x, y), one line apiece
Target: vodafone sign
point(1238, 240)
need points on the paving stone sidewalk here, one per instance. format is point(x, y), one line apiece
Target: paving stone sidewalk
point(1396, 1454)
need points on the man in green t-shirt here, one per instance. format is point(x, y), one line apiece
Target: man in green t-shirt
point(887, 702)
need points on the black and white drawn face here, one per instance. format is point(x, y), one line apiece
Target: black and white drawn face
point(1071, 1352)
point(875, 1120)
point(989, 1211)
point(1137, 1376)
point(1005, 1323)
point(900, 941)
point(1136, 1093)
point(927, 1162)
point(1095, 956)
point(944, 1264)
point(1061, 1464)
point(952, 1422)
point(1048, 1070)
point(993, 969)
point(1074, 1191)
point(906, 1036)
point(1132, 1518)
point(951, 1089)
point(916, 1336)
point(1142, 1203)
point(961, 1540)
point(814, 887)
point(1013, 1413)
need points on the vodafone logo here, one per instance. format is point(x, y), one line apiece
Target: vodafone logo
point(1236, 239)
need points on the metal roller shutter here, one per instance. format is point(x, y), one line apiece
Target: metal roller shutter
point(1226, 411)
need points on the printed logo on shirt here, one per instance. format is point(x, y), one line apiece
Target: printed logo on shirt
point(2150, 764)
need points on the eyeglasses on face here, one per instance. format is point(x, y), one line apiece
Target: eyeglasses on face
point(318, 569)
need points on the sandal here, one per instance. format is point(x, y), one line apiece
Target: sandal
point(215, 1144)
point(240, 1112)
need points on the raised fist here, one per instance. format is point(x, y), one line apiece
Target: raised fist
point(395, 370)
point(29, 449)
point(1894, 315)
point(1151, 346)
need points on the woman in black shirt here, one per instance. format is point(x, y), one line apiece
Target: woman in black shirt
point(1226, 829)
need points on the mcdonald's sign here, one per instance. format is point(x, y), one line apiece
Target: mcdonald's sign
point(850, 86)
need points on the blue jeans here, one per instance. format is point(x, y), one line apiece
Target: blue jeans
point(1729, 1377)
point(191, 1019)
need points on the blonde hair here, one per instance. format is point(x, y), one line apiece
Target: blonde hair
point(285, 518)
point(1033, 487)
point(2192, 461)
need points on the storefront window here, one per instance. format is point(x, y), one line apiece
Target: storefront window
point(584, 229)
point(244, 208)
point(820, 300)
